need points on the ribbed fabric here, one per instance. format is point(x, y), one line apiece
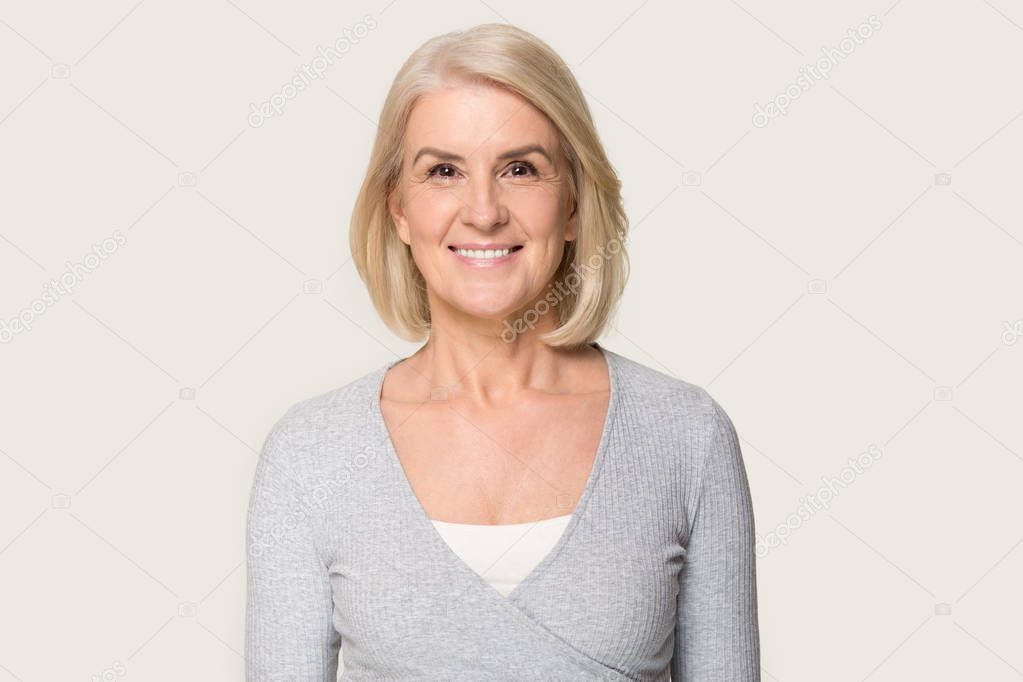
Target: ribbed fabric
point(654, 574)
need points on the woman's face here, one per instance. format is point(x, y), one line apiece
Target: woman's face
point(483, 171)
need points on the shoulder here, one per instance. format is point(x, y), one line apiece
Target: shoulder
point(678, 429)
point(316, 431)
point(662, 398)
point(346, 403)
point(677, 417)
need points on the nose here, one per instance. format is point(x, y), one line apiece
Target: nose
point(483, 204)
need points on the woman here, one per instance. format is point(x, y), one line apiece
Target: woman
point(490, 223)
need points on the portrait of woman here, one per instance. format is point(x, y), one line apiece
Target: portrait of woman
point(514, 500)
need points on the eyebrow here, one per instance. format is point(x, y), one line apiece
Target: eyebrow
point(511, 153)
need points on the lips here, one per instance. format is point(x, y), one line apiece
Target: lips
point(485, 255)
point(484, 247)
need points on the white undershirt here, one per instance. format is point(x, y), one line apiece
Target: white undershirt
point(503, 554)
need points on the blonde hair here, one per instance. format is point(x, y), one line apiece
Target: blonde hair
point(509, 57)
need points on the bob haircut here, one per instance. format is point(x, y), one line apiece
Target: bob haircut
point(594, 268)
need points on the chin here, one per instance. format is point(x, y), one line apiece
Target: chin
point(488, 310)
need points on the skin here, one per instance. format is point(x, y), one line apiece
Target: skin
point(480, 422)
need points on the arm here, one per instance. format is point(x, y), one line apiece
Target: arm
point(717, 635)
point(288, 630)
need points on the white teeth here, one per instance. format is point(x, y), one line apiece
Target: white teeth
point(480, 253)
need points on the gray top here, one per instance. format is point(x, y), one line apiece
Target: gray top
point(654, 574)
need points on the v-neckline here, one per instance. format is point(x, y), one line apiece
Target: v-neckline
point(425, 523)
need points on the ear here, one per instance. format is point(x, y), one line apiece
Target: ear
point(398, 216)
point(572, 225)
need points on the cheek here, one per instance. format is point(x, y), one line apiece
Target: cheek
point(431, 215)
point(540, 214)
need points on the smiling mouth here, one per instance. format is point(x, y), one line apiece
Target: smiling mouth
point(484, 254)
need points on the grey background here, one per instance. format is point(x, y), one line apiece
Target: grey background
point(853, 268)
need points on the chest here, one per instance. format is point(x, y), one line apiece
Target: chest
point(523, 462)
point(616, 563)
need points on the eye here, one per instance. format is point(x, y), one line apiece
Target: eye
point(435, 171)
point(524, 165)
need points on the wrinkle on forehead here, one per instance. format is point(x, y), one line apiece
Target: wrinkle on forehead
point(474, 118)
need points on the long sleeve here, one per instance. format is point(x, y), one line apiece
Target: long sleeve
point(717, 635)
point(289, 634)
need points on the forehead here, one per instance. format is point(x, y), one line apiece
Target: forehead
point(477, 119)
